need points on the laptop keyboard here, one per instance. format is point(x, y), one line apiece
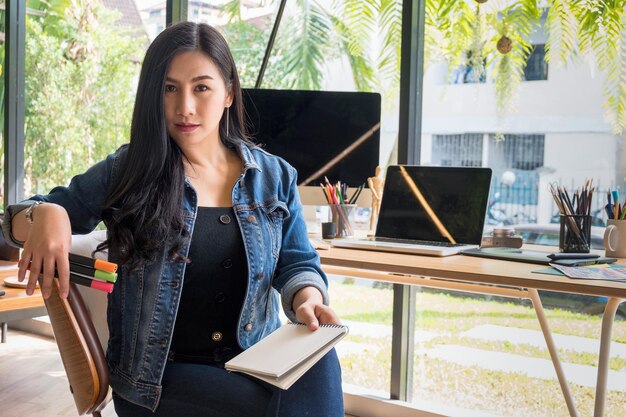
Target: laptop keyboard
point(417, 242)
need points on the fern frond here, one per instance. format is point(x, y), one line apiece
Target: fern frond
point(362, 72)
point(359, 18)
point(562, 29)
point(307, 35)
point(390, 23)
point(615, 87)
point(232, 9)
point(449, 29)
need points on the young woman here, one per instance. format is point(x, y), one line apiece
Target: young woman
point(207, 230)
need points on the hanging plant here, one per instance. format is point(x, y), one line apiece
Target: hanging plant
point(504, 45)
point(510, 48)
point(475, 54)
point(481, 1)
point(449, 28)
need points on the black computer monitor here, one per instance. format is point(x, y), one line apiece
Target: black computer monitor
point(320, 133)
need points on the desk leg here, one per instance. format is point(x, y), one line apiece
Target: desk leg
point(547, 335)
point(5, 329)
point(605, 349)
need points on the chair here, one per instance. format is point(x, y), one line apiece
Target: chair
point(80, 344)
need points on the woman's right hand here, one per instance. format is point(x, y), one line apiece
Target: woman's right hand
point(46, 247)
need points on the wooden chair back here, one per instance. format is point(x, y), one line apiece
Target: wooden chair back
point(81, 351)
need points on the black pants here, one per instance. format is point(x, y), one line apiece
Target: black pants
point(191, 390)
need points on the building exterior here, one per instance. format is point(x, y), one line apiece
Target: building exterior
point(130, 15)
point(210, 12)
point(557, 133)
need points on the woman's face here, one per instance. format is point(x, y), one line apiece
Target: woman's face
point(194, 99)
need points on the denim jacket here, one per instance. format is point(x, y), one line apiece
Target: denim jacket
point(142, 308)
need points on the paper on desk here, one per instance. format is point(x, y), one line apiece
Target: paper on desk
point(592, 272)
point(554, 271)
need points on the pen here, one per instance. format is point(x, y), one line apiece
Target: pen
point(88, 282)
point(90, 272)
point(93, 263)
point(91, 283)
point(581, 262)
point(609, 210)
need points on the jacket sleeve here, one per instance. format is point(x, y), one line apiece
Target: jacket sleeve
point(83, 199)
point(298, 263)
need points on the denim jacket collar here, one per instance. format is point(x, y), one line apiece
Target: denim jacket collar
point(249, 162)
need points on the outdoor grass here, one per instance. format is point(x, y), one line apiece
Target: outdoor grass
point(448, 314)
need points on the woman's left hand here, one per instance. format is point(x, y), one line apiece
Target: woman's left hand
point(310, 309)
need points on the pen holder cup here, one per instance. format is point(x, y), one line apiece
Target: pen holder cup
point(342, 216)
point(615, 238)
point(575, 233)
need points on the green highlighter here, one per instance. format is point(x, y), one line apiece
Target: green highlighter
point(91, 272)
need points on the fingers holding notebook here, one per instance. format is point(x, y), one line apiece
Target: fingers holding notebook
point(310, 309)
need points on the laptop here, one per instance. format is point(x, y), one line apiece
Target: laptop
point(428, 210)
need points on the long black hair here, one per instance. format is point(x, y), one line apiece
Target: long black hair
point(143, 207)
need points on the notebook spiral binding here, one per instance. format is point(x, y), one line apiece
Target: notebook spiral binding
point(333, 326)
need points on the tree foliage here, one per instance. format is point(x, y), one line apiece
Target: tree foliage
point(81, 72)
point(457, 32)
point(247, 43)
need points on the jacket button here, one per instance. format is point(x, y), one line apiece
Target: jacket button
point(220, 297)
point(248, 327)
point(216, 336)
point(251, 219)
point(260, 275)
point(228, 263)
point(225, 218)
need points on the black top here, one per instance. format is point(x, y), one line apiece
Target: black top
point(214, 288)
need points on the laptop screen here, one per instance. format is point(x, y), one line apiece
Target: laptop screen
point(441, 204)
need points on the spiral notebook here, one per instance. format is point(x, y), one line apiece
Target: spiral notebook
point(286, 354)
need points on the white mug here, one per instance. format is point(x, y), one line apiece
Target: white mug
point(615, 238)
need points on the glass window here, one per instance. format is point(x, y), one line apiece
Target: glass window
point(458, 150)
point(82, 66)
point(520, 152)
point(152, 14)
point(486, 353)
point(365, 306)
point(536, 66)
